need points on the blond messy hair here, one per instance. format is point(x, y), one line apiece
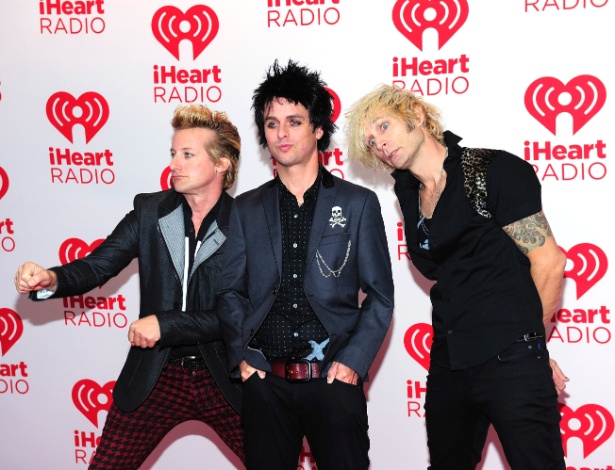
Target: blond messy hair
point(227, 143)
point(392, 100)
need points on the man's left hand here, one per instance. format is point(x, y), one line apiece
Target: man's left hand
point(341, 372)
point(558, 376)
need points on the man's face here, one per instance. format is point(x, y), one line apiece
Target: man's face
point(192, 170)
point(290, 136)
point(391, 141)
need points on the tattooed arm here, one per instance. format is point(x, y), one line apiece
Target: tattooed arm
point(534, 238)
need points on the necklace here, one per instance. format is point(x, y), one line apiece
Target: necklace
point(438, 192)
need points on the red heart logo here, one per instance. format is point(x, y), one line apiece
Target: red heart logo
point(417, 340)
point(589, 265)
point(4, 182)
point(75, 248)
point(413, 17)
point(64, 111)
point(166, 182)
point(582, 97)
point(201, 27)
point(11, 329)
point(593, 425)
point(90, 398)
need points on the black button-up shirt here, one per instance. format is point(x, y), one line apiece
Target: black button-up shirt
point(484, 297)
point(291, 330)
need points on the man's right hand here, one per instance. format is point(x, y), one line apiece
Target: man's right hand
point(247, 370)
point(32, 277)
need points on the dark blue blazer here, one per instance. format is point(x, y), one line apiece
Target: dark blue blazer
point(348, 235)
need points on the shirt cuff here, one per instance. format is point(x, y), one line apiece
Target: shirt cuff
point(44, 294)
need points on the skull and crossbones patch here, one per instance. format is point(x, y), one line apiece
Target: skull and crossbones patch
point(337, 218)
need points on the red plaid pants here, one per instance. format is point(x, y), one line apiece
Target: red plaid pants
point(179, 395)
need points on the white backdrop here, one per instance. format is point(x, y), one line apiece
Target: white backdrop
point(87, 90)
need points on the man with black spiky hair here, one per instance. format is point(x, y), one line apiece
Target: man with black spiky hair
point(301, 247)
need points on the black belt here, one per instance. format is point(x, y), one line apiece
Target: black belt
point(192, 363)
point(529, 337)
point(296, 371)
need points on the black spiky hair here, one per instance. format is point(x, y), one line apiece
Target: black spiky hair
point(300, 85)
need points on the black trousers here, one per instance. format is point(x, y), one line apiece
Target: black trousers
point(277, 414)
point(515, 392)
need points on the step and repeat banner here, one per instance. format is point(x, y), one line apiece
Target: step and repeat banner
point(87, 91)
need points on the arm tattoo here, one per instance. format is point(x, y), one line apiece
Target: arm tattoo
point(530, 232)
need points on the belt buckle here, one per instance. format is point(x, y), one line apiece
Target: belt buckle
point(529, 337)
point(300, 361)
point(185, 359)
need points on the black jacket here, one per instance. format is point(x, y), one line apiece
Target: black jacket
point(154, 233)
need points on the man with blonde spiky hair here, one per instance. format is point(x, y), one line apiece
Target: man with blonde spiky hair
point(475, 226)
point(176, 366)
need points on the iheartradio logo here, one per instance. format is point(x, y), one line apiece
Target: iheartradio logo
point(11, 329)
point(199, 25)
point(90, 398)
point(413, 17)
point(589, 265)
point(582, 97)
point(417, 340)
point(64, 111)
point(592, 424)
point(4, 182)
point(75, 248)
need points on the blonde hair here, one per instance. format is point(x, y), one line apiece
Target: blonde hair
point(402, 104)
point(227, 143)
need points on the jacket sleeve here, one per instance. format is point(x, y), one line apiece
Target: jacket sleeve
point(190, 327)
point(106, 261)
point(233, 301)
point(376, 279)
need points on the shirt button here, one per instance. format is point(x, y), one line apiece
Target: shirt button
point(295, 334)
point(294, 245)
point(294, 276)
point(295, 216)
point(450, 332)
point(294, 305)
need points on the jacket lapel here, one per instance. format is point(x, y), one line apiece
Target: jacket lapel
point(215, 236)
point(213, 239)
point(322, 213)
point(173, 231)
point(271, 205)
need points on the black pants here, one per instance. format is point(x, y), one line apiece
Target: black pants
point(277, 415)
point(515, 392)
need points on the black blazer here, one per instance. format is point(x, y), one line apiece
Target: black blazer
point(347, 237)
point(154, 233)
